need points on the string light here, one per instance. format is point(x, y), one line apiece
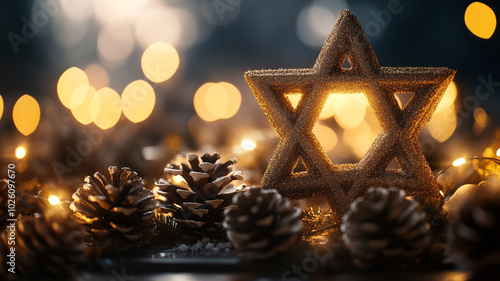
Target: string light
point(138, 101)
point(54, 200)
point(459, 161)
point(20, 152)
point(71, 80)
point(498, 152)
point(159, 62)
point(248, 145)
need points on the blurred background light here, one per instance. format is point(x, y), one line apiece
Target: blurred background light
point(20, 152)
point(1, 107)
point(77, 10)
point(480, 20)
point(26, 114)
point(213, 101)
point(97, 75)
point(350, 109)
point(159, 62)
point(68, 33)
point(444, 120)
point(138, 101)
point(326, 136)
point(315, 22)
point(329, 108)
point(82, 112)
point(71, 79)
point(294, 99)
point(115, 43)
point(248, 145)
point(118, 11)
point(105, 108)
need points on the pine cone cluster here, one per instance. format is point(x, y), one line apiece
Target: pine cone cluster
point(45, 245)
point(474, 237)
point(118, 214)
point(384, 228)
point(262, 223)
point(199, 199)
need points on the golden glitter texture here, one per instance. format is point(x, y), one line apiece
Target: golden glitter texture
point(341, 184)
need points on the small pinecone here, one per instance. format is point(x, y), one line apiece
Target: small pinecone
point(46, 245)
point(262, 223)
point(384, 228)
point(118, 214)
point(474, 237)
point(4, 198)
point(199, 202)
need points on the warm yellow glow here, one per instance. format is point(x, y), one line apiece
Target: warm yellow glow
point(350, 109)
point(459, 161)
point(329, 108)
point(1, 107)
point(147, 23)
point(359, 139)
point(54, 200)
point(26, 114)
point(448, 100)
point(248, 145)
point(294, 99)
point(498, 152)
point(82, 112)
point(20, 152)
point(442, 125)
point(233, 99)
point(138, 101)
point(480, 20)
point(326, 136)
point(178, 179)
point(97, 75)
point(444, 121)
point(480, 117)
point(214, 101)
point(71, 79)
point(105, 108)
point(159, 62)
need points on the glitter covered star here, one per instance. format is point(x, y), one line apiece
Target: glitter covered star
point(341, 184)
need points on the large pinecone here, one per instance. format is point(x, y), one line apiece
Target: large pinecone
point(199, 201)
point(4, 197)
point(118, 214)
point(262, 223)
point(384, 228)
point(45, 246)
point(474, 237)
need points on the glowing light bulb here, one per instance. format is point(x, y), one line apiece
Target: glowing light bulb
point(248, 145)
point(498, 152)
point(54, 200)
point(20, 152)
point(458, 162)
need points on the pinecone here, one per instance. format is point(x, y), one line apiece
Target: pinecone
point(117, 214)
point(4, 197)
point(45, 246)
point(262, 223)
point(384, 228)
point(199, 201)
point(474, 237)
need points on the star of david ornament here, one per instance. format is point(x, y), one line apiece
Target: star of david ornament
point(341, 184)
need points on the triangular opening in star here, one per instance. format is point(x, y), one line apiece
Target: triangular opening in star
point(394, 165)
point(403, 99)
point(294, 99)
point(300, 167)
point(346, 65)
